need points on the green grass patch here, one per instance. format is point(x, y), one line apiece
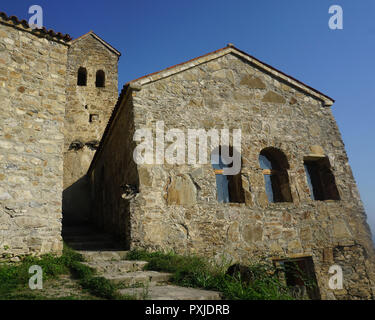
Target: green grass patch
point(198, 272)
point(14, 278)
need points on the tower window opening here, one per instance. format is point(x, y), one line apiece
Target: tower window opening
point(82, 77)
point(100, 79)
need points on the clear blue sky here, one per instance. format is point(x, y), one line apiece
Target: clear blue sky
point(291, 35)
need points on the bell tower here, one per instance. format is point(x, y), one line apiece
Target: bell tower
point(92, 92)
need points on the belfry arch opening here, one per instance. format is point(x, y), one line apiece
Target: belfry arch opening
point(82, 77)
point(100, 79)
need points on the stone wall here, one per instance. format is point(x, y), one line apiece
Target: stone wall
point(32, 95)
point(113, 175)
point(87, 113)
point(231, 93)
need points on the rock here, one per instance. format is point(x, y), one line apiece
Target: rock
point(5, 196)
point(314, 130)
point(252, 82)
point(252, 233)
point(340, 230)
point(145, 176)
point(181, 191)
point(233, 232)
point(273, 97)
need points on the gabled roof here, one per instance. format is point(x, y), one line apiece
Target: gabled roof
point(137, 84)
point(106, 44)
point(230, 48)
point(13, 21)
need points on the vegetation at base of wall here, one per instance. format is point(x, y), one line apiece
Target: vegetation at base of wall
point(14, 277)
point(197, 272)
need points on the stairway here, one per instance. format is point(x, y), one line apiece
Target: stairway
point(87, 237)
point(102, 253)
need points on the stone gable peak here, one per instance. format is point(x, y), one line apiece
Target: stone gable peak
point(96, 37)
point(231, 49)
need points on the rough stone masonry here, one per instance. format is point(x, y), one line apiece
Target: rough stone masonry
point(177, 206)
point(50, 129)
point(33, 99)
point(58, 97)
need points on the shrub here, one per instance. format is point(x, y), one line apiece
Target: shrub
point(99, 286)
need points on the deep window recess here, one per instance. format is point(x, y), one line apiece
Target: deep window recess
point(100, 79)
point(82, 77)
point(275, 165)
point(320, 179)
point(93, 118)
point(229, 187)
point(300, 277)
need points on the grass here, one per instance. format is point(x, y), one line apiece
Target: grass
point(14, 278)
point(189, 271)
point(197, 272)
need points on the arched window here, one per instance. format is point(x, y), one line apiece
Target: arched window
point(82, 77)
point(275, 165)
point(229, 187)
point(321, 181)
point(100, 79)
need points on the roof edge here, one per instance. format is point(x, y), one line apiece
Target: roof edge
point(137, 85)
point(230, 48)
point(92, 33)
point(23, 25)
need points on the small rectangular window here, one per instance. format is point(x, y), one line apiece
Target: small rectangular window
point(93, 118)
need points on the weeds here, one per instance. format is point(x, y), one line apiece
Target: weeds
point(14, 278)
point(197, 272)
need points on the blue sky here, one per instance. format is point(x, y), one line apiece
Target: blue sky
point(291, 35)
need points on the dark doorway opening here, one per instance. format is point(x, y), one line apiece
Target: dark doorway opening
point(299, 275)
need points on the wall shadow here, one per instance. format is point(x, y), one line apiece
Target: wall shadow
point(76, 205)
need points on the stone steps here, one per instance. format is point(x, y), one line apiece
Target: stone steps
point(104, 255)
point(86, 237)
point(80, 230)
point(140, 278)
point(105, 266)
point(93, 245)
point(170, 292)
point(143, 284)
point(83, 238)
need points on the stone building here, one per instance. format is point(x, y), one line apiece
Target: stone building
point(57, 95)
point(295, 196)
point(66, 150)
point(33, 99)
point(91, 93)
